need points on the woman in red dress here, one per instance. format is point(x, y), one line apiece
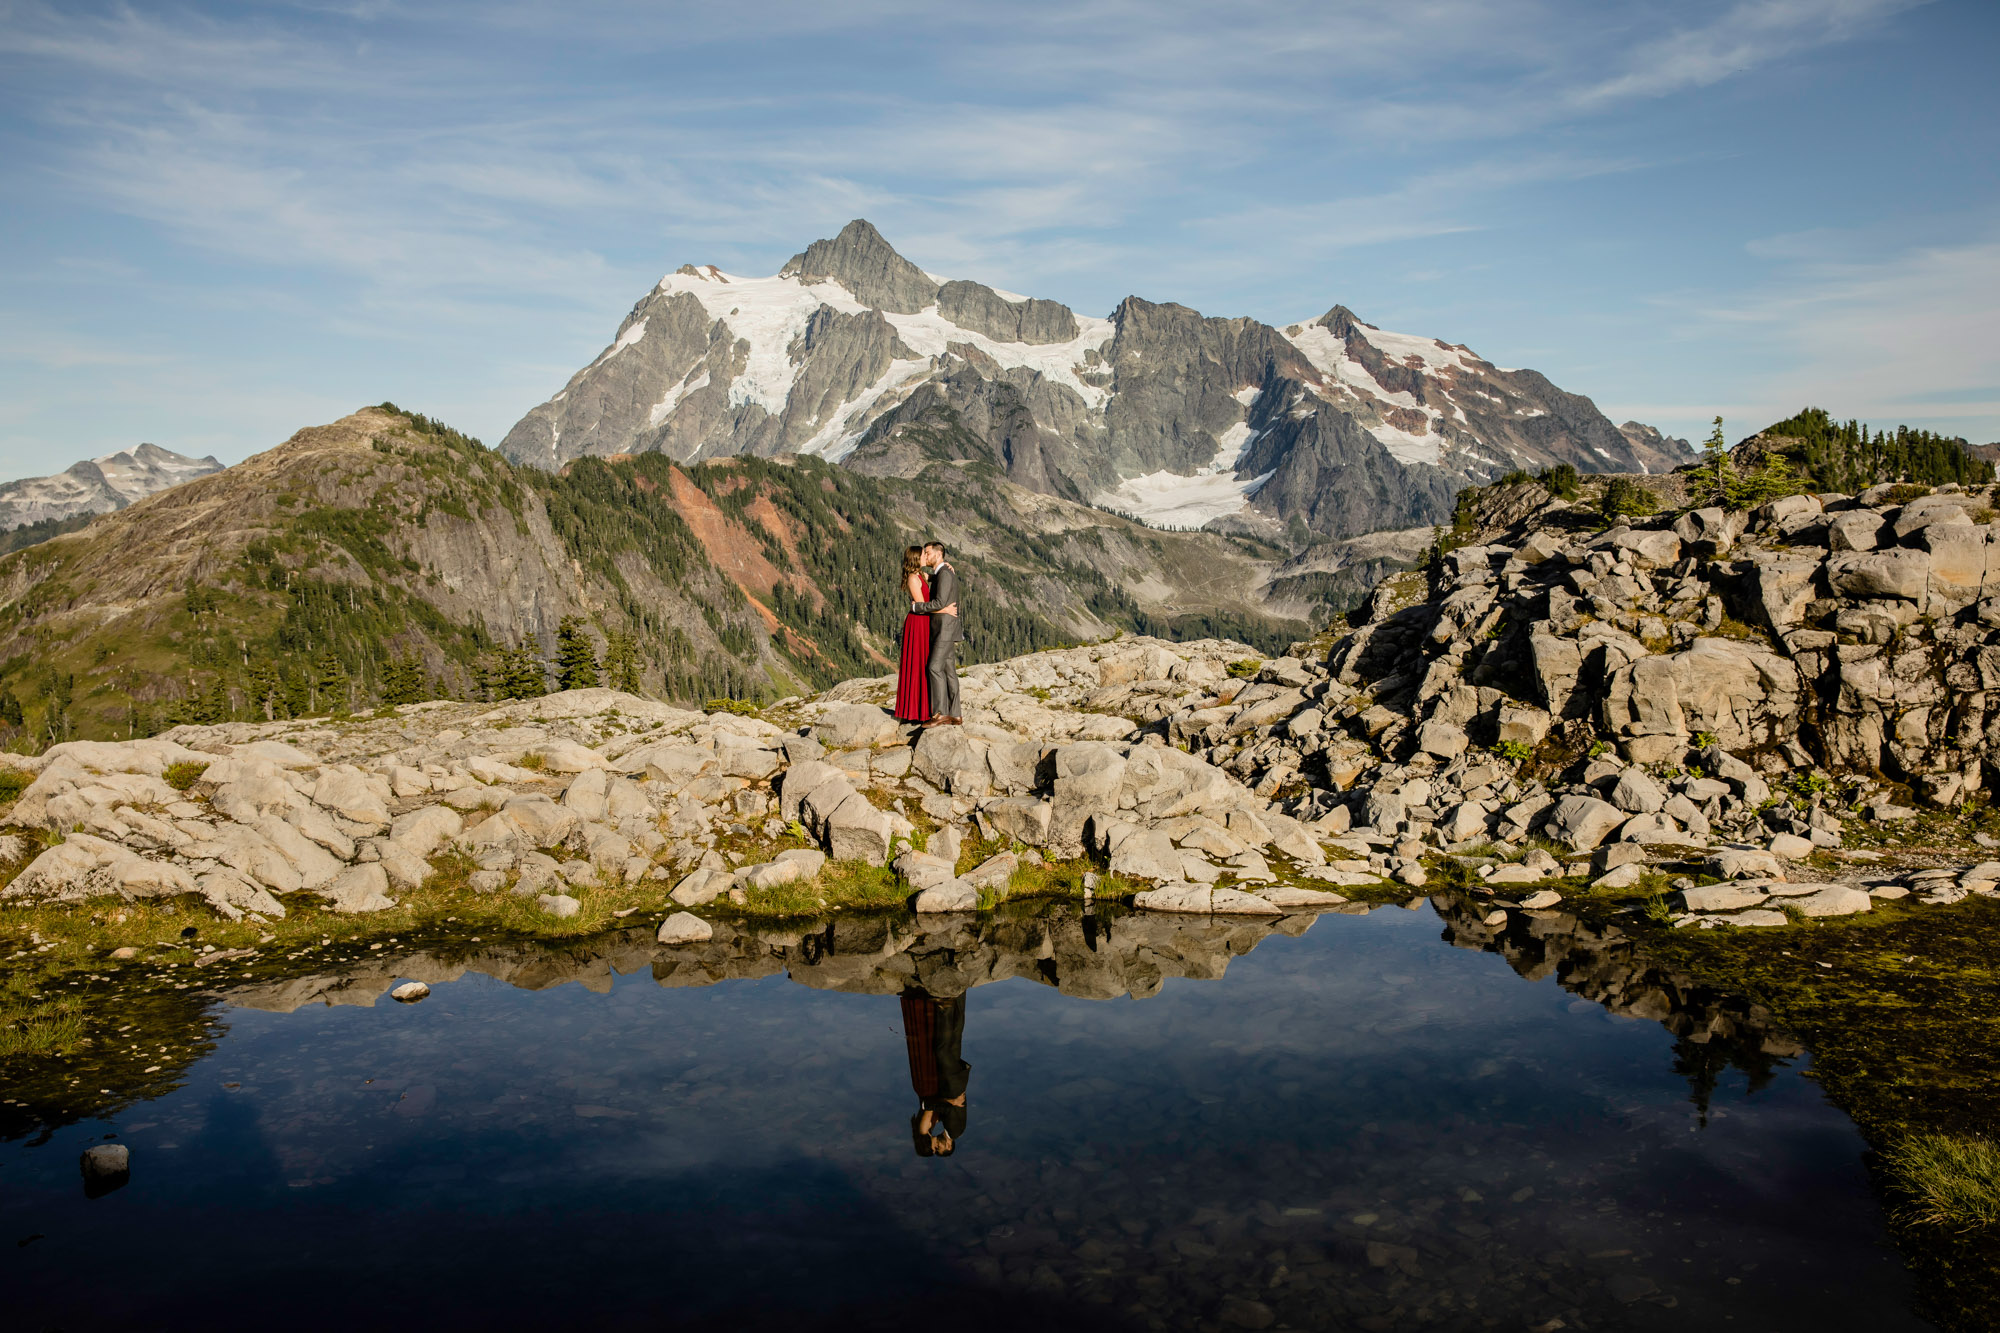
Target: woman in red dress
point(913, 691)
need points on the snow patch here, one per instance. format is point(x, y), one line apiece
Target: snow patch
point(927, 333)
point(1248, 394)
point(625, 340)
point(1407, 448)
point(1170, 500)
point(836, 440)
point(665, 407)
point(1435, 354)
point(1328, 355)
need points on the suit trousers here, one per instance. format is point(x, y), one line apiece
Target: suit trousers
point(942, 669)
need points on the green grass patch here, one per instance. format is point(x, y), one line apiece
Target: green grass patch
point(1951, 1180)
point(185, 774)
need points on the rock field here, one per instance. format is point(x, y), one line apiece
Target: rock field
point(1711, 697)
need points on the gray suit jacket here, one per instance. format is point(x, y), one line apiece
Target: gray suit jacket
point(944, 592)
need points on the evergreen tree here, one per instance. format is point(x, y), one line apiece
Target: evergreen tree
point(621, 661)
point(262, 683)
point(576, 657)
point(404, 681)
point(1717, 476)
point(525, 675)
point(10, 709)
point(329, 685)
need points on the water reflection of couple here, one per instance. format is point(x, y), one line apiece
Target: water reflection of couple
point(932, 1030)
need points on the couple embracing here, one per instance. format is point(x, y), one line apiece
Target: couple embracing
point(927, 680)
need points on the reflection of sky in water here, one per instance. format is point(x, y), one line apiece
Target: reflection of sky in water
point(1361, 1127)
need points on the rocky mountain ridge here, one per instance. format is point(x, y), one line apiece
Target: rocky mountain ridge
point(98, 485)
point(1329, 427)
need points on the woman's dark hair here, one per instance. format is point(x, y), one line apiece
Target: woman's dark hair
point(913, 561)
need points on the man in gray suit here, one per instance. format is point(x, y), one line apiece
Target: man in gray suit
point(942, 608)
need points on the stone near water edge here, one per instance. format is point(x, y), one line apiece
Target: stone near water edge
point(1535, 902)
point(952, 895)
point(922, 870)
point(1620, 877)
point(1722, 897)
point(362, 888)
point(1146, 854)
point(1175, 897)
point(558, 904)
point(1023, 819)
point(684, 928)
point(1582, 822)
point(703, 886)
point(1758, 917)
point(1235, 902)
point(994, 872)
point(1292, 899)
point(1514, 874)
point(410, 992)
point(773, 875)
point(857, 831)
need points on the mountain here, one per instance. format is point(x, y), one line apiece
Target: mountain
point(1650, 444)
point(387, 558)
point(98, 485)
point(1327, 428)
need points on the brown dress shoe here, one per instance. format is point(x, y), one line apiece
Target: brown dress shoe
point(954, 722)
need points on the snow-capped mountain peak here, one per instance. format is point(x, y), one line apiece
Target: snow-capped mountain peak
point(852, 352)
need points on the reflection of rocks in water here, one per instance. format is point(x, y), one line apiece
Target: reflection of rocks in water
point(1713, 1029)
point(1095, 956)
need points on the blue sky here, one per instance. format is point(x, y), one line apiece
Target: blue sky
point(223, 222)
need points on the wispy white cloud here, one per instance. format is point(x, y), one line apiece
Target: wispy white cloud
point(410, 170)
point(1908, 337)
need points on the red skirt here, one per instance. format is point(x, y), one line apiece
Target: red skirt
point(913, 689)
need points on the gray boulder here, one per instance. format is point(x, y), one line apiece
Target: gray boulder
point(362, 888)
point(684, 928)
point(1901, 574)
point(1636, 792)
point(1582, 822)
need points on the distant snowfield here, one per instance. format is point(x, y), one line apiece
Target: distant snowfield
point(1170, 500)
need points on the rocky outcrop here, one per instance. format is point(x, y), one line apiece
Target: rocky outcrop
point(1328, 428)
point(555, 794)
